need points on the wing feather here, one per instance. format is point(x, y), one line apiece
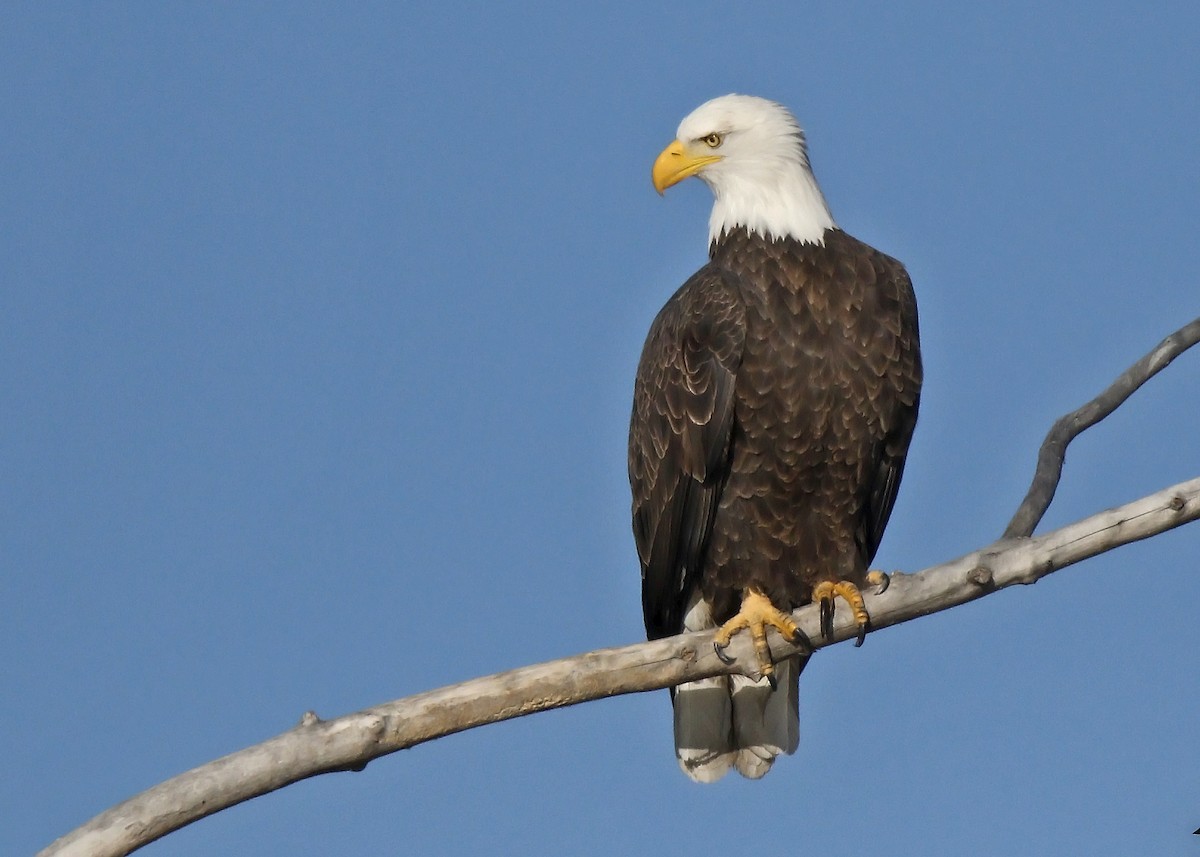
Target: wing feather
point(892, 450)
point(679, 438)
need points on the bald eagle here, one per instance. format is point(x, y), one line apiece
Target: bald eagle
point(773, 407)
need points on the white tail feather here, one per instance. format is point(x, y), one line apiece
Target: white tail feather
point(704, 728)
point(766, 722)
point(733, 721)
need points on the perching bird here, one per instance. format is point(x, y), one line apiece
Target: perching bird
point(773, 407)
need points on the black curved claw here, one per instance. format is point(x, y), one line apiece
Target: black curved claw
point(884, 583)
point(774, 682)
point(826, 618)
point(862, 635)
point(801, 640)
point(720, 650)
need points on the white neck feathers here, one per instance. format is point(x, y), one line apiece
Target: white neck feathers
point(773, 200)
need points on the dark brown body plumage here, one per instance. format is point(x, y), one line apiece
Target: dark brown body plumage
point(774, 403)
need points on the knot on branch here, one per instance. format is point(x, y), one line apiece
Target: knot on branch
point(982, 576)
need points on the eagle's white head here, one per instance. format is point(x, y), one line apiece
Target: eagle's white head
point(751, 153)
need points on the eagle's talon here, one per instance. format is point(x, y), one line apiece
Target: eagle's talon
point(720, 650)
point(826, 617)
point(827, 590)
point(757, 613)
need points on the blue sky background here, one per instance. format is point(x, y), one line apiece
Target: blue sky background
point(319, 326)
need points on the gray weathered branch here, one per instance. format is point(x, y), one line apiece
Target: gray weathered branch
point(350, 742)
point(1066, 428)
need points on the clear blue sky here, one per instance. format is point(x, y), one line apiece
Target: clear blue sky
point(319, 326)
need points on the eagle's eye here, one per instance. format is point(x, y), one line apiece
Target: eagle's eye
point(712, 140)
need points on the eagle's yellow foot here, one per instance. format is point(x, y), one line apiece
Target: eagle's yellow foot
point(825, 592)
point(757, 614)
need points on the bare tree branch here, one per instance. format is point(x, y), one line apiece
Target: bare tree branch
point(350, 742)
point(1066, 428)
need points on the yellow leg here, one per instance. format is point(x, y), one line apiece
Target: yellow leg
point(757, 614)
point(826, 591)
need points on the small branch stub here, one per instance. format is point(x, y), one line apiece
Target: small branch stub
point(981, 576)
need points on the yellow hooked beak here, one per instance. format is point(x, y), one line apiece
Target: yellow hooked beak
point(676, 163)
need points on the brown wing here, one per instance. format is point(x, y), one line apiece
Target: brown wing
point(901, 362)
point(679, 438)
